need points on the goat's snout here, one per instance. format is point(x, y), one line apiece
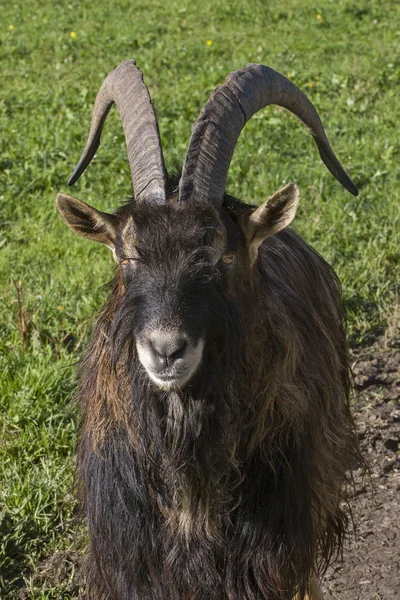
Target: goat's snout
point(166, 348)
point(170, 357)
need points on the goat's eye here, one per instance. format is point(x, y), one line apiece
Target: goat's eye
point(128, 261)
point(228, 258)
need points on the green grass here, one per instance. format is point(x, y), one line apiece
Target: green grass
point(344, 54)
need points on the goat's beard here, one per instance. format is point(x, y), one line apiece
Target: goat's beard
point(185, 441)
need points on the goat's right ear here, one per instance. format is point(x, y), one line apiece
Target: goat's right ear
point(88, 221)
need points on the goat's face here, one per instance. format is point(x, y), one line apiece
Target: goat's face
point(182, 268)
point(178, 262)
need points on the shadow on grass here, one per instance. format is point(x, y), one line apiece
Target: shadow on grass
point(54, 577)
point(362, 309)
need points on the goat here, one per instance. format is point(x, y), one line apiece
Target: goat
point(215, 432)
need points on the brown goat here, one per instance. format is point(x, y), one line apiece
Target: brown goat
point(216, 429)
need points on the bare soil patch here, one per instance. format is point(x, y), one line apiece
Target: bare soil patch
point(371, 562)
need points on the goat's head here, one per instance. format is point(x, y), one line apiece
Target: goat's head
point(185, 256)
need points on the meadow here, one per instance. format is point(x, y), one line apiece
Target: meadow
point(53, 57)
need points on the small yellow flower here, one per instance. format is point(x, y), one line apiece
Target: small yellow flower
point(61, 307)
point(319, 17)
point(73, 34)
point(10, 27)
point(309, 84)
point(209, 42)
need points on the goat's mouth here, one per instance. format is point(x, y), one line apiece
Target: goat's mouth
point(174, 372)
point(168, 382)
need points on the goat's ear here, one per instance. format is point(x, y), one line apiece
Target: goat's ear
point(88, 221)
point(273, 215)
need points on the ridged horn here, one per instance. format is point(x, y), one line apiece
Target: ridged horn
point(125, 87)
point(230, 106)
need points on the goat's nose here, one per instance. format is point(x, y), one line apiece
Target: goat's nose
point(167, 347)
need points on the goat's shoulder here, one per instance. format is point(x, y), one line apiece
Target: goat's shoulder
point(287, 264)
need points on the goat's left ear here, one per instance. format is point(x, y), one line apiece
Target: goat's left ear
point(87, 221)
point(273, 215)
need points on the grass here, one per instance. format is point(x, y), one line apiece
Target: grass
point(54, 56)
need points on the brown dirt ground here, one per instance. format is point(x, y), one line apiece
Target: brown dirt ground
point(370, 569)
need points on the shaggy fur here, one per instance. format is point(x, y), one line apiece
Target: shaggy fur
point(232, 488)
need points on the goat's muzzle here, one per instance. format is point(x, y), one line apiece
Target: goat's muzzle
point(170, 357)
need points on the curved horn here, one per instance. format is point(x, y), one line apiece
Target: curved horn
point(230, 106)
point(125, 87)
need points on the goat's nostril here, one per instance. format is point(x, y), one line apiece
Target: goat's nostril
point(168, 347)
point(179, 351)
